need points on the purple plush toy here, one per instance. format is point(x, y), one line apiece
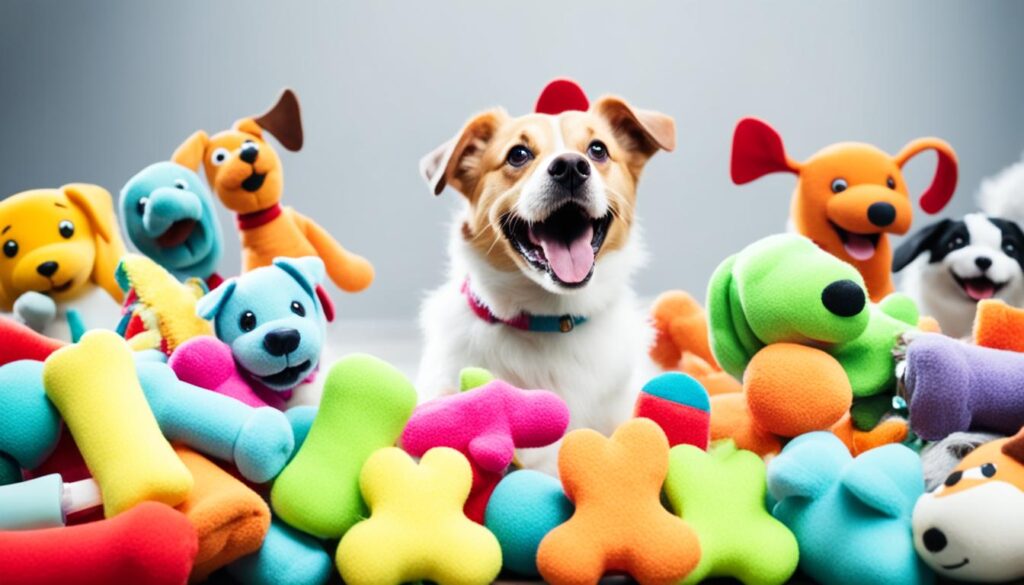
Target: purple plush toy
point(952, 386)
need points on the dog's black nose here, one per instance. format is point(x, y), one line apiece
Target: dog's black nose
point(934, 540)
point(983, 262)
point(881, 214)
point(569, 170)
point(844, 298)
point(249, 152)
point(281, 341)
point(47, 269)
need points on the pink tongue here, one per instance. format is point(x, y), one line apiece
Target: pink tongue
point(859, 247)
point(979, 290)
point(571, 263)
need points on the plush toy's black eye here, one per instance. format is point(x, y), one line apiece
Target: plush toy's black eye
point(954, 478)
point(10, 248)
point(66, 229)
point(891, 183)
point(519, 155)
point(597, 151)
point(219, 156)
point(839, 185)
point(140, 206)
point(247, 322)
point(298, 309)
point(956, 242)
point(1010, 248)
point(180, 184)
point(988, 470)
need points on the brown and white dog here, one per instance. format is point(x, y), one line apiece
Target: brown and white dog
point(543, 253)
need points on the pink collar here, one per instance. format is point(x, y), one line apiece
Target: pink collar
point(248, 221)
point(522, 321)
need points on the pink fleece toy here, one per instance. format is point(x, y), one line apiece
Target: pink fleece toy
point(207, 362)
point(486, 424)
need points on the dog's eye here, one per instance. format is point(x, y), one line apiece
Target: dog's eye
point(180, 184)
point(839, 185)
point(519, 155)
point(891, 183)
point(140, 206)
point(219, 156)
point(247, 322)
point(597, 151)
point(10, 248)
point(298, 309)
point(66, 229)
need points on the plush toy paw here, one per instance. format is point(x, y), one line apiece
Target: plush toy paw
point(721, 495)
point(487, 424)
point(619, 523)
point(680, 406)
point(680, 326)
point(416, 529)
point(525, 506)
point(366, 403)
point(35, 310)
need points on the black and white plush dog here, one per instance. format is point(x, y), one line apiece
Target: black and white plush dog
point(968, 260)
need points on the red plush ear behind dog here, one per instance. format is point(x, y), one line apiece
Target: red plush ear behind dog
point(938, 194)
point(757, 151)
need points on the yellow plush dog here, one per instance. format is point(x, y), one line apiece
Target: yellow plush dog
point(57, 244)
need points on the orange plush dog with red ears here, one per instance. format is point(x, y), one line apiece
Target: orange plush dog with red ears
point(849, 196)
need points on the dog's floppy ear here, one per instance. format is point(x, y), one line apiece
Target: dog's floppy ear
point(309, 272)
point(726, 323)
point(284, 120)
point(210, 304)
point(912, 246)
point(98, 207)
point(938, 194)
point(190, 153)
point(757, 151)
point(643, 131)
point(457, 161)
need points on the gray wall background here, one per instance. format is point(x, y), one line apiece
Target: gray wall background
point(93, 91)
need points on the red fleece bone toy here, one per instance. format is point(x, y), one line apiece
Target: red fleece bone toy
point(486, 425)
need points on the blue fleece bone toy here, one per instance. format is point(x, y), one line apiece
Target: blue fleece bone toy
point(168, 214)
point(29, 423)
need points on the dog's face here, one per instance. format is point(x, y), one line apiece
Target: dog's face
point(971, 527)
point(974, 259)
point(242, 168)
point(168, 214)
point(55, 241)
point(273, 320)
point(549, 196)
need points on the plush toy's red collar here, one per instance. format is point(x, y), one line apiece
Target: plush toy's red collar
point(248, 221)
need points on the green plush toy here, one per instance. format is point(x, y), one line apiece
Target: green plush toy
point(784, 288)
point(721, 494)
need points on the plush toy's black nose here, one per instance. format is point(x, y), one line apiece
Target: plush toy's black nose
point(47, 269)
point(881, 214)
point(569, 170)
point(934, 540)
point(249, 152)
point(281, 341)
point(844, 298)
point(983, 262)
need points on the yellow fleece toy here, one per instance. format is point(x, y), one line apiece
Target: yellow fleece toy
point(417, 530)
point(162, 310)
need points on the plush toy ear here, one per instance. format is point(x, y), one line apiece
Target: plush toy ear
point(458, 160)
point(284, 121)
point(757, 151)
point(1014, 448)
point(190, 153)
point(941, 190)
point(249, 126)
point(643, 131)
point(724, 321)
point(97, 205)
point(209, 306)
point(912, 247)
point(309, 272)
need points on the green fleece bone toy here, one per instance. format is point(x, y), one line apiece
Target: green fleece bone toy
point(783, 289)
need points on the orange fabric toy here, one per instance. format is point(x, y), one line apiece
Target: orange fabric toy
point(999, 326)
point(245, 173)
point(619, 523)
point(681, 342)
point(849, 196)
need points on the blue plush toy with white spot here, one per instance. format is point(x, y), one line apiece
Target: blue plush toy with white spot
point(168, 214)
point(274, 319)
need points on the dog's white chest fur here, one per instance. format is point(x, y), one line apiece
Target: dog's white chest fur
point(596, 368)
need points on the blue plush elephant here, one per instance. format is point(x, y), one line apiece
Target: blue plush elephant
point(168, 214)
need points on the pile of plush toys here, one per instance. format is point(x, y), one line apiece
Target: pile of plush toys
point(803, 414)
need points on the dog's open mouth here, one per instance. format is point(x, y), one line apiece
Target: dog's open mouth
point(979, 288)
point(176, 234)
point(253, 182)
point(859, 246)
point(955, 565)
point(286, 377)
point(565, 245)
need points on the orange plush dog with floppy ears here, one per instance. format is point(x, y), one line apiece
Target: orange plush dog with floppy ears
point(245, 172)
point(849, 196)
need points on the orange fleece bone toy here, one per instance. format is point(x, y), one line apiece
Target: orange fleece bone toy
point(849, 195)
point(245, 173)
